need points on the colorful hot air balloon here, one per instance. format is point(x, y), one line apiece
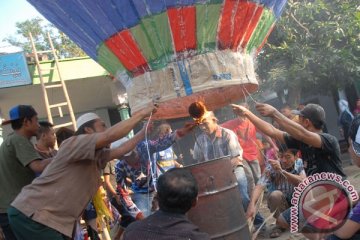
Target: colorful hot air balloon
point(176, 51)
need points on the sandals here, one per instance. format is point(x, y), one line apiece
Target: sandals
point(276, 232)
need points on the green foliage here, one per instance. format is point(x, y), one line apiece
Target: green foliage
point(64, 46)
point(315, 47)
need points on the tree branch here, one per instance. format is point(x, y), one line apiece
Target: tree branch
point(302, 26)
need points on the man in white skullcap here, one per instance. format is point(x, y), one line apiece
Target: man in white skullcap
point(49, 207)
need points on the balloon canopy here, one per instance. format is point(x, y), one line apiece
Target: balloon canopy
point(172, 51)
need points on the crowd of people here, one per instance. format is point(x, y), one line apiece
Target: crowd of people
point(45, 192)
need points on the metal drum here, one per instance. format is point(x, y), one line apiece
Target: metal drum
point(219, 210)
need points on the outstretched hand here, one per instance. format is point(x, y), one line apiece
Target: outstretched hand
point(149, 109)
point(265, 110)
point(239, 110)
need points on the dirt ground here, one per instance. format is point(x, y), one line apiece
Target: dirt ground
point(353, 174)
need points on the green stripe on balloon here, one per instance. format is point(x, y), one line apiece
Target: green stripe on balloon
point(108, 60)
point(153, 37)
point(207, 18)
point(264, 26)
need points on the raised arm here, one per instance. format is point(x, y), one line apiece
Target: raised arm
point(294, 129)
point(256, 193)
point(260, 124)
point(122, 128)
point(117, 153)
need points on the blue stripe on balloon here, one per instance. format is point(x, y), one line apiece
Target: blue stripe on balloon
point(102, 21)
point(149, 7)
point(179, 3)
point(56, 12)
point(128, 13)
point(185, 77)
point(276, 5)
point(279, 7)
point(113, 14)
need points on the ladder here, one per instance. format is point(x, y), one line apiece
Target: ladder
point(47, 86)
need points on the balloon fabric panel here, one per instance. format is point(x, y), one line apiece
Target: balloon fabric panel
point(238, 19)
point(127, 51)
point(154, 39)
point(264, 26)
point(183, 27)
point(207, 17)
point(108, 60)
point(177, 51)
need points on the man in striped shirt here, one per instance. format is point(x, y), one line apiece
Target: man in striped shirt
point(280, 178)
point(216, 142)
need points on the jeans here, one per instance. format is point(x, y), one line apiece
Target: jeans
point(243, 187)
point(143, 201)
point(253, 173)
point(5, 226)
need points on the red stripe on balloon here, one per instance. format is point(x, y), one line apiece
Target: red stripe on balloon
point(127, 51)
point(238, 21)
point(224, 35)
point(253, 15)
point(183, 27)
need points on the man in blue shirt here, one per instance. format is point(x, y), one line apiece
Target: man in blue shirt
point(140, 167)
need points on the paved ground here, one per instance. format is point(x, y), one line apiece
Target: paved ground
point(353, 174)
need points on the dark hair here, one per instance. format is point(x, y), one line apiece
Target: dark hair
point(81, 130)
point(315, 113)
point(27, 112)
point(283, 148)
point(63, 133)
point(177, 190)
point(45, 127)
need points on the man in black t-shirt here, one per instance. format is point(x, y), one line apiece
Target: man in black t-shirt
point(320, 151)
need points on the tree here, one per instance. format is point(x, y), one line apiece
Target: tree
point(314, 48)
point(65, 47)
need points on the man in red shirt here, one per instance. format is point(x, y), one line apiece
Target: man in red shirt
point(246, 133)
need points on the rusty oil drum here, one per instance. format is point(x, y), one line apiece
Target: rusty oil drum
point(219, 210)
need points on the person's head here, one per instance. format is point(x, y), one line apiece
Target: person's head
point(312, 116)
point(286, 111)
point(266, 144)
point(163, 129)
point(209, 123)
point(63, 133)
point(89, 123)
point(354, 140)
point(46, 134)
point(301, 106)
point(288, 156)
point(177, 191)
point(358, 103)
point(23, 117)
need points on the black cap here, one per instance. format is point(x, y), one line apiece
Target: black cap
point(315, 113)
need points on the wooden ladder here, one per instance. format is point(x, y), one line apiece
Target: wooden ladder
point(47, 86)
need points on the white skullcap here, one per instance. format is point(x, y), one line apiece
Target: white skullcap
point(87, 117)
point(120, 142)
